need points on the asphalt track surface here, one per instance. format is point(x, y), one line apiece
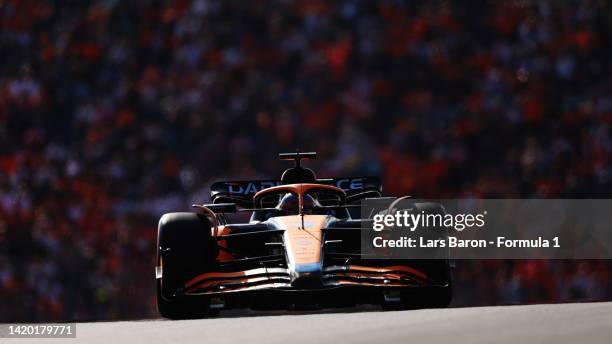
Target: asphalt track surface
point(560, 323)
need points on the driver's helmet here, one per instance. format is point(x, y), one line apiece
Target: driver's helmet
point(290, 202)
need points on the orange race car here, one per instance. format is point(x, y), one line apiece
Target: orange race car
point(299, 248)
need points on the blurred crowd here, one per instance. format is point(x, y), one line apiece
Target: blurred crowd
point(114, 112)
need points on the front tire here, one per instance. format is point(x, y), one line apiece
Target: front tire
point(185, 249)
point(439, 271)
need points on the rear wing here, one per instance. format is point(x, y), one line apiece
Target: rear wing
point(242, 192)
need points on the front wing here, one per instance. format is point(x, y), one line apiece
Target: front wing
point(215, 283)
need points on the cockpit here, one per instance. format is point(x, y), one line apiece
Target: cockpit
point(290, 203)
point(296, 199)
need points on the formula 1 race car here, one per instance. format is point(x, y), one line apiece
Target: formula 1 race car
point(299, 249)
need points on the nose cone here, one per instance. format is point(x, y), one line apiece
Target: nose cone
point(306, 275)
point(302, 240)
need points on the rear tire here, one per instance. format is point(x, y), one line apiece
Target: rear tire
point(185, 249)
